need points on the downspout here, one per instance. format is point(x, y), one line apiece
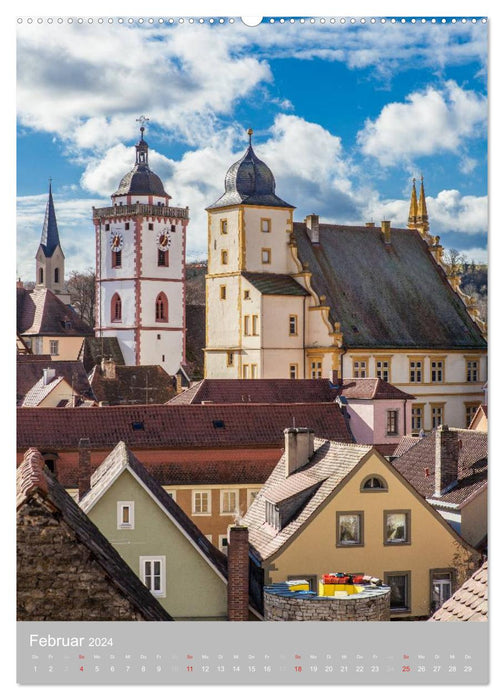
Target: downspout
point(404, 417)
point(341, 362)
point(304, 337)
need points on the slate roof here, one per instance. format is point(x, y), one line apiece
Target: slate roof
point(40, 312)
point(40, 391)
point(223, 391)
point(329, 465)
point(30, 369)
point(417, 465)
point(249, 181)
point(32, 481)
point(133, 385)
point(269, 283)
point(214, 471)
point(93, 350)
point(49, 240)
point(469, 603)
point(122, 458)
point(141, 179)
point(404, 444)
point(415, 307)
point(172, 426)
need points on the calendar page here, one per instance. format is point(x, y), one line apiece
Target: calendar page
point(252, 397)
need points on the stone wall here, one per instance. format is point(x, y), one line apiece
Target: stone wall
point(365, 609)
point(58, 577)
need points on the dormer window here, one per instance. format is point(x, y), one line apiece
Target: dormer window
point(272, 515)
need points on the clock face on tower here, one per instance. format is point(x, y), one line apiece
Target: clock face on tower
point(116, 241)
point(164, 239)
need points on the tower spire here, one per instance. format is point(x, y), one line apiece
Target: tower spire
point(422, 215)
point(413, 210)
point(49, 239)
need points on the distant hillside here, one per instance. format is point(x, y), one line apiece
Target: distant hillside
point(195, 283)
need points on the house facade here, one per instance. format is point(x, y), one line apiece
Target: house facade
point(140, 269)
point(329, 507)
point(289, 299)
point(185, 572)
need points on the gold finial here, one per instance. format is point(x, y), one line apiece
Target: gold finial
point(413, 210)
point(250, 132)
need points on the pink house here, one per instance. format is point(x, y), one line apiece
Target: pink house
point(379, 413)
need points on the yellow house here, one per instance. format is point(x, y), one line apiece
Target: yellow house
point(301, 300)
point(330, 507)
point(50, 391)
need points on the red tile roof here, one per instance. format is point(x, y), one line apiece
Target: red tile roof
point(223, 391)
point(172, 426)
point(469, 603)
point(417, 465)
point(40, 312)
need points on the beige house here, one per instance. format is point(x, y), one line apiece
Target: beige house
point(301, 300)
point(330, 507)
point(50, 391)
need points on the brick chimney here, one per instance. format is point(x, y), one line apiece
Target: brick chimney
point(84, 466)
point(238, 573)
point(299, 448)
point(385, 227)
point(108, 367)
point(312, 226)
point(370, 224)
point(446, 465)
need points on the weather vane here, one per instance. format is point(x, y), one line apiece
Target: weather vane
point(142, 119)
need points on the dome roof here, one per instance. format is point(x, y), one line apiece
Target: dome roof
point(141, 180)
point(249, 181)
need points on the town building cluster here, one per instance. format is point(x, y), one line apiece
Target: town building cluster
point(331, 464)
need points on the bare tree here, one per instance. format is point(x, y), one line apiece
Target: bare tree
point(81, 287)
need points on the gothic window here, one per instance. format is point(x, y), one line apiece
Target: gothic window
point(56, 275)
point(41, 276)
point(163, 258)
point(161, 307)
point(116, 308)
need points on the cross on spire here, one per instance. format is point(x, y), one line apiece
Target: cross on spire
point(142, 119)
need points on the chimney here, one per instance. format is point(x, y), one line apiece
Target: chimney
point(108, 367)
point(299, 448)
point(238, 573)
point(334, 378)
point(446, 465)
point(312, 226)
point(370, 224)
point(84, 466)
point(49, 375)
point(385, 227)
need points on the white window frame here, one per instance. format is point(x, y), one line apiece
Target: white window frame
point(223, 547)
point(193, 502)
point(172, 494)
point(209, 537)
point(223, 494)
point(161, 593)
point(54, 347)
point(120, 524)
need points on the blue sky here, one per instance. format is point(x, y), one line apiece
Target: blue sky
point(345, 115)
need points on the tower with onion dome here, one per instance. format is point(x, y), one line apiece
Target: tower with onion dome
point(249, 229)
point(140, 268)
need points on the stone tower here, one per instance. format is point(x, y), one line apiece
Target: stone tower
point(140, 268)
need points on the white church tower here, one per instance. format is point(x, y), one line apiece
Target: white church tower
point(140, 268)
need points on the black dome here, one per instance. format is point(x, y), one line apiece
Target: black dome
point(249, 181)
point(141, 180)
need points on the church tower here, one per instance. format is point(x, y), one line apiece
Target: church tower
point(50, 261)
point(249, 230)
point(140, 268)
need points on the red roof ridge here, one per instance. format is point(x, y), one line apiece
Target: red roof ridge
point(30, 476)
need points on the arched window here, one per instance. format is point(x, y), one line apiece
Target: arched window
point(41, 275)
point(161, 307)
point(374, 483)
point(56, 275)
point(116, 308)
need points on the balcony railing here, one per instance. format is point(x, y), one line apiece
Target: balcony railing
point(140, 210)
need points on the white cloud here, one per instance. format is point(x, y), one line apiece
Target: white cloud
point(431, 122)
